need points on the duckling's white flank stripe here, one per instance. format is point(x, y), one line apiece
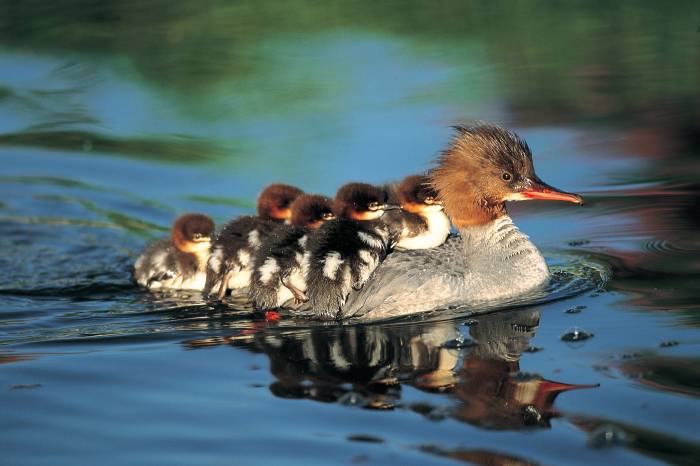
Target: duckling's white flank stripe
point(243, 257)
point(383, 234)
point(365, 256)
point(268, 269)
point(370, 240)
point(254, 239)
point(216, 259)
point(160, 260)
point(331, 264)
point(302, 241)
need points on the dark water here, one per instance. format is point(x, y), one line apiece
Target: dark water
point(117, 116)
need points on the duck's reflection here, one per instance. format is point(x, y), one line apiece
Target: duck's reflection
point(476, 368)
point(363, 364)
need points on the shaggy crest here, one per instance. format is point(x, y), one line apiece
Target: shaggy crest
point(492, 145)
point(480, 168)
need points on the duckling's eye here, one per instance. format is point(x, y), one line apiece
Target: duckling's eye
point(373, 206)
point(430, 200)
point(197, 236)
point(506, 176)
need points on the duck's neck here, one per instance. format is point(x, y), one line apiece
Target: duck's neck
point(502, 255)
point(498, 239)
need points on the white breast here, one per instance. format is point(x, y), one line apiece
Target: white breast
point(503, 262)
point(438, 229)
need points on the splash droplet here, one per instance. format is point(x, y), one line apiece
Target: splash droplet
point(458, 343)
point(531, 416)
point(608, 435)
point(352, 399)
point(576, 334)
point(575, 309)
point(578, 242)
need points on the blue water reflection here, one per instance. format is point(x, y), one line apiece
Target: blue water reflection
point(116, 117)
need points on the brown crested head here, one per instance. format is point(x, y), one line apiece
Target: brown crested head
point(275, 200)
point(192, 232)
point(483, 167)
point(360, 201)
point(417, 195)
point(310, 210)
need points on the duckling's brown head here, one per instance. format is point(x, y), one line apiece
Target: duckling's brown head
point(310, 210)
point(483, 167)
point(360, 201)
point(192, 233)
point(275, 200)
point(417, 195)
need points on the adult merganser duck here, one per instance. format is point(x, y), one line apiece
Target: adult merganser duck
point(490, 261)
point(178, 262)
point(278, 275)
point(425, 224)
point(233, 248)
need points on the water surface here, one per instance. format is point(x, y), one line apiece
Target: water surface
point(116, 117)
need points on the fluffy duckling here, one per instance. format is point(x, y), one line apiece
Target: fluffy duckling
point(278, 276)
point(178, 262)
point(230, 263)
point(343, 254)
point(425, 225)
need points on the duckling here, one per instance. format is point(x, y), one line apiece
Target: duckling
point(278, 276)
point(178, 262)
point(232, 251)
point(425, 225)
point(342, 254)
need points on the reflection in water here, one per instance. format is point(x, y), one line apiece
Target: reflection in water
point(492, 392)
point(605, 433)
point(368, 366)
point(197, 107)
point(665, 373)
point(10, 358)
point(176, 150)
point(655, 262)
point(479, 457)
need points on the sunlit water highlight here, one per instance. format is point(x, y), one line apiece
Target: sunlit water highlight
point(115, 118)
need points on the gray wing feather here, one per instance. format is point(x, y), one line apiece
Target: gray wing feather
point(418, 280)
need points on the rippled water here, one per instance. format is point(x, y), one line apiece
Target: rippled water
point(115, 117)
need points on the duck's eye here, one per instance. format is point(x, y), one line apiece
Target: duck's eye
point(507, 176)
point(197, 236)
point(328, 216)
point(430, 200)
point(373, 206)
